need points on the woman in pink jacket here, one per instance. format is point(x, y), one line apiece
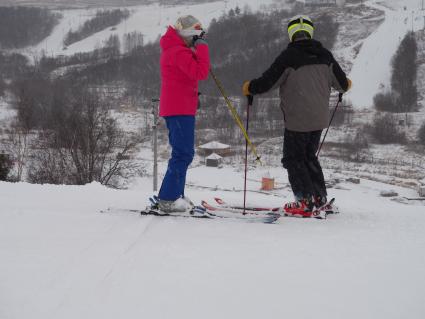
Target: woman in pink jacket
point(184, 61)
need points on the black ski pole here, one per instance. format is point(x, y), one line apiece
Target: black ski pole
point(330, 122)
point(250, 101)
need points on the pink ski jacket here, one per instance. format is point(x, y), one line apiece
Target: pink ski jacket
point(181, 69)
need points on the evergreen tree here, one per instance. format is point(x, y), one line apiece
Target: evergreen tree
point(403, 80)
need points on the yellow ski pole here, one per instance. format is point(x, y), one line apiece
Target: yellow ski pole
point(235, 116)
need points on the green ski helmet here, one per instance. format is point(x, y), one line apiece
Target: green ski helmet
point(300, 23)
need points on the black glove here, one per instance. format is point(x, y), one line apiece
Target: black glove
point(199, 39)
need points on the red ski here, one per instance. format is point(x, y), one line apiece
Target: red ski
point(319, 213)
point(222, 203)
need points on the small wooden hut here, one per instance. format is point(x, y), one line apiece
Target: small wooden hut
point(214, 147)
point(213, 160)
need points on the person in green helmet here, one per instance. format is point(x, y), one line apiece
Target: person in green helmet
point(304, 72)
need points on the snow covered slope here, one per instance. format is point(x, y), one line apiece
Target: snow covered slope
point(61, 258)
point(371, 69)
point(371, 72)
point(150, 20)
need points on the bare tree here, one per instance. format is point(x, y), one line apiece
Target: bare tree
point(386, 131)
point(84, 144)
point(17, 145)
point(133, 41)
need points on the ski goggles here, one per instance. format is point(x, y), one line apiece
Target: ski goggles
point(195, 30)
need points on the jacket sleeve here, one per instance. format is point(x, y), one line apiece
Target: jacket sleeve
point(270, 78)
point(339, 78)
point(195, 64)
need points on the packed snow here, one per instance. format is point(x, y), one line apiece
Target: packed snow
point(62, 258)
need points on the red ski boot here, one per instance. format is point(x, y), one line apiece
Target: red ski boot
point(300, 208)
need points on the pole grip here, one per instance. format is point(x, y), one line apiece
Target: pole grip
point(250, 99)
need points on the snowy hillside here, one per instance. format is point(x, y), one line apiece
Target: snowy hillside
point(367, 58)
point(150, 20)
point(61, 258)
point(371, 70)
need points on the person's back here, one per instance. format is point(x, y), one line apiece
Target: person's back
point(306, 85)
point(304, 72)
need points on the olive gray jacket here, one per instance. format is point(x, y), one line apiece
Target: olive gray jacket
point(305, 72)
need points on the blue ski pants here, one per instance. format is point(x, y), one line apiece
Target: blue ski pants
point(181, 135)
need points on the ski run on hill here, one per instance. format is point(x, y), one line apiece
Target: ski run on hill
point(61, 258)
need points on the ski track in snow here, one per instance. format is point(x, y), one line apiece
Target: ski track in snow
point(61, 258)
point(85, 262)
point(371, 72)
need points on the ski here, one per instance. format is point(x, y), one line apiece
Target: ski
point(250, 216)
point(149, 211)
point(195, 212)
point(414, 198)
point(213, 214)
point(153, 210)
point(319, 213)
point(223, 204)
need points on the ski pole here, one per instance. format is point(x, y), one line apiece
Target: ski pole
point(330, 122)
point(235, 116)
point(250, 101)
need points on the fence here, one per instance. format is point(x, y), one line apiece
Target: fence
point(413, 163)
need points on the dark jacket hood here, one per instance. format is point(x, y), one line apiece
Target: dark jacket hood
point(309, 46)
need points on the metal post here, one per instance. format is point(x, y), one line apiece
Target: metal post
point(155, 144)
point(250, 101)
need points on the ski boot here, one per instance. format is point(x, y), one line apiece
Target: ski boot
point(329, 207)
point(182, 205)
point(319, 201)
point(300, 208)
point(177, 206)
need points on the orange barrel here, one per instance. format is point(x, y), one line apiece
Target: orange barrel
point(267, 184)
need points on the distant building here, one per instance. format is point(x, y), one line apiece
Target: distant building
point(214, 160)
point(214, 147)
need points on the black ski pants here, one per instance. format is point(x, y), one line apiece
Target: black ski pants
point(299, 158)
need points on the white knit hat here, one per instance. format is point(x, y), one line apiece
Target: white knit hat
point(188, 26)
